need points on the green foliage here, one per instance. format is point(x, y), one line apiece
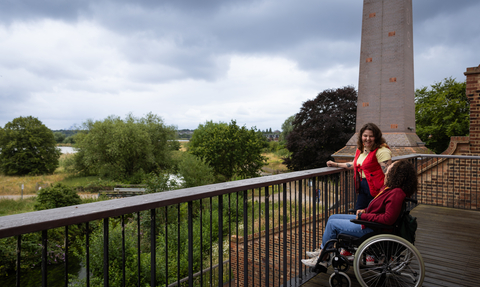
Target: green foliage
point(32, 248)
point(287, 127)
point(229, 149)
point(56, 196)
point(161, 182)
point(174, 231)
point(59, 137)
point(322, 127)
point(195, 171)
point(69, 140)
point(12, 206)
point(441, 112)
point(125, 150)
point(27, 147)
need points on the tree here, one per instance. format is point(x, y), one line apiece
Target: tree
point(125, 149)
point(229, 149)
point(195, 171)
point(287, 127)
point(323, 126)
point(441, 112)
point(27, 147)
point(59, 137)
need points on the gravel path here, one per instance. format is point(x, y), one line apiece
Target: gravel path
point(82, 195)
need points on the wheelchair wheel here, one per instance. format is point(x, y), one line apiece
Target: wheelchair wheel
point(388, 260)
point(341, 263)
point(339, 279)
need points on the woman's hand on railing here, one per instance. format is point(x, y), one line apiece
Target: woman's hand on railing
point(331, 163)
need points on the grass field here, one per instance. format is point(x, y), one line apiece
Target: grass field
point(274, 164)
point(12, 185)
point(12, 206)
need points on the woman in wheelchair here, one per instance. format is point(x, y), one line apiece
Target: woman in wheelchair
point(400, 182)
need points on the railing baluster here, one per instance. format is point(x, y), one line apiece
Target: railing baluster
point(300, 232)
point(284, 234)
point(105, 252)
point(229, 239)
point(44, 257)
point(237, 279)
point(296, 258)
point(166, 246)
point(267, 235)
point(178, 240)
point(245, 237)
point(314, 206)
point(123, 251)
point(259, 232)
point(138, 251)
point(153, 248)
point(66, 257)
point(279, 224)
point(211, 246)
point(19, 252)
point(220, 240)
point(201, 241)
point(190, 244)
point(273, 236)
point(87, 252)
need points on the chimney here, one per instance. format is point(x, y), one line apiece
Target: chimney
point(473, 95)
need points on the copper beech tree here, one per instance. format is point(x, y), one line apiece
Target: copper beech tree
point(323, 126)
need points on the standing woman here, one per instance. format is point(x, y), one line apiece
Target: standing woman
point(371, 161)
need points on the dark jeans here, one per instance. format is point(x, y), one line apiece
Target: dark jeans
point(364, 197)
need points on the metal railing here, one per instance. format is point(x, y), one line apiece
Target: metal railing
point(249, 232)
point(259, 228)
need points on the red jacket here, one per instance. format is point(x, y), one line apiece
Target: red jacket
point(373, 172)
point(386, 207)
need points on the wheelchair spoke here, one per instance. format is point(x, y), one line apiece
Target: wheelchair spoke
point(392, 261)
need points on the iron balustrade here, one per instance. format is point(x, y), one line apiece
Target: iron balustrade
point(249, 232)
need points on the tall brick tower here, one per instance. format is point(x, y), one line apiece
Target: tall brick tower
point(386, 91)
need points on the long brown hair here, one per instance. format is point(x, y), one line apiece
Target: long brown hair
point(377, 134)
point(403, 175)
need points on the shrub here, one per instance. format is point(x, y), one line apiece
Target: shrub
point(58, 195)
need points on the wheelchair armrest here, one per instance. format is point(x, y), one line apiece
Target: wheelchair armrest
point(352, 210)
point(372, 225)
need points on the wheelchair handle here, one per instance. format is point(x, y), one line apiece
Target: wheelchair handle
point(407, 199)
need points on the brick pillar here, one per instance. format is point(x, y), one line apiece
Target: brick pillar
point(473, 95)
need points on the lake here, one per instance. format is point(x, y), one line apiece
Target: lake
point(67, 149)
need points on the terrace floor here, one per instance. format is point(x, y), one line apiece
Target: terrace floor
point(448, 240)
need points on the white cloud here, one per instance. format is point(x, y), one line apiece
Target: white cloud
point(253, 61)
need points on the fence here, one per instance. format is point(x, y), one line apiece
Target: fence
point(250, 232)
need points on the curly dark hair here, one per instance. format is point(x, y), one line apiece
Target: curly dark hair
point(403, 175)
point(377, 133)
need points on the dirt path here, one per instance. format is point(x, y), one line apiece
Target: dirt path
point(82, 195)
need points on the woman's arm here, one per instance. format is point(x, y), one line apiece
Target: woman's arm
point(384, 158)
point(384, 165)
point(392, 208)
point(347, 165)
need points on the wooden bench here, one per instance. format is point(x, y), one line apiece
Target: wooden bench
point(123, 192)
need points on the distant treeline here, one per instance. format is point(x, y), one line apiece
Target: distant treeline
point(67, 136)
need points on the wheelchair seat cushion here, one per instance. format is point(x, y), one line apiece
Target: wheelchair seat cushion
point(346, 237)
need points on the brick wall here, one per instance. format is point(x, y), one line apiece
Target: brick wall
point(257, 254)
point(473, 94)
point(455, 182)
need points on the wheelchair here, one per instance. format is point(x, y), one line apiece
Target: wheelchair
point(396, 261)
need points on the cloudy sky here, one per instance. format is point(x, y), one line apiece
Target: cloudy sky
point(189, 61)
